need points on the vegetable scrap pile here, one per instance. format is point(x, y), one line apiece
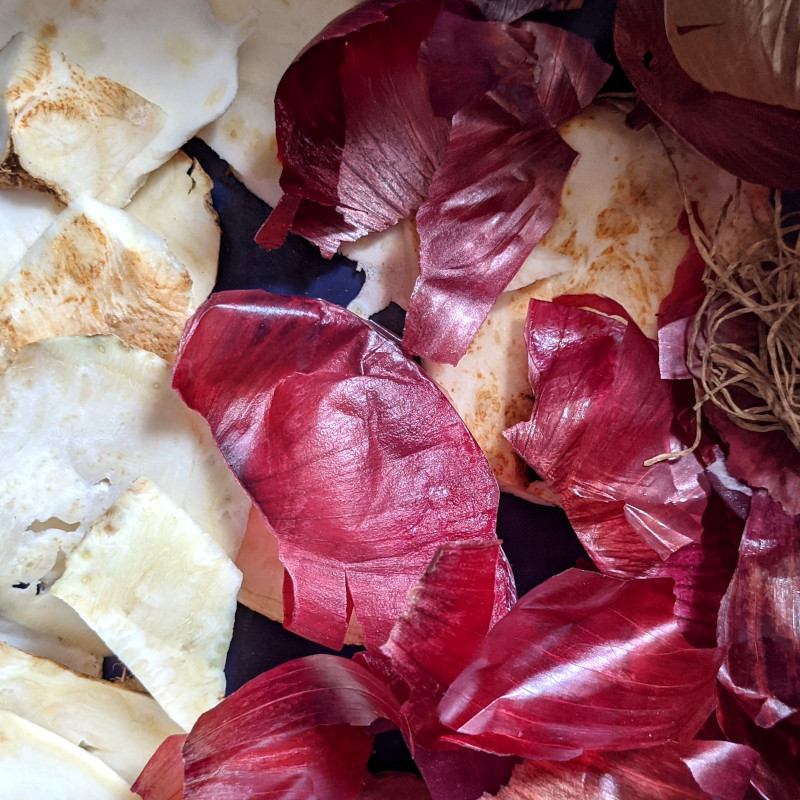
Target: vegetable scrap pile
point(169, 449)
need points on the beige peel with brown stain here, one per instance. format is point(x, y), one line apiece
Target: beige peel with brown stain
point(65, 130)
point(175, 203)
point(96, 270)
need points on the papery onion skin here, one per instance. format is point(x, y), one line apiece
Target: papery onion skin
point(162, 776)
point(583, 662)
point(702, 571)
point(397, 127)
point(511, 10)
point(777, 775)
point(466, 589)
point(297, 731)
point(398, 140)
point(358, 462)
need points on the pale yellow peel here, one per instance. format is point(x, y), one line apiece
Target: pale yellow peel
point(161, 593)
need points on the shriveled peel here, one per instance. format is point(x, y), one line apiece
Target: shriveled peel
point(96, 270)
point(82, 417)
point(37, 763)
point(122, 728)
point(58, 115)
point(50, 647)
point(161, 593)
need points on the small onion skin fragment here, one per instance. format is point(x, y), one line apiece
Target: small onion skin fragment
point(701, 770)
point(758, 618)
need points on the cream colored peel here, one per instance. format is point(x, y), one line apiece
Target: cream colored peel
point(162, 594)
point(120, 727)
point(390, 261)
point(96, 269)
point(81, 418)
point(617, 234)
point(25, 215)
point(68, 132)
point(50, 647)
point(175, 203)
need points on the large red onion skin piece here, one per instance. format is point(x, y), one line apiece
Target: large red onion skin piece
point(583, 662)
point(702, 770)
point(600, 412)
point(754, 141)
point(758, 622)
point(297, 732)
point(358, 462)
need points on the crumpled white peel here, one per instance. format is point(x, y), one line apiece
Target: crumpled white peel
point(120, 727)
point(177, 54)
point(161, 593)
point(66, 130)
